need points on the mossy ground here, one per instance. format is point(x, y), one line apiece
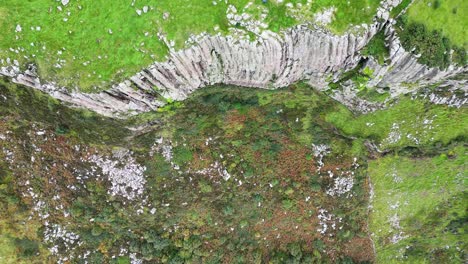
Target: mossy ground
point(421, 200)
point(92, 58)
point(377, 48)
point(407, 123)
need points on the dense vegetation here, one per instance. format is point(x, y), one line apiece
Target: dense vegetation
point(435, 29)
point(244, 181)
point(267, 210)
point(446, 16)
point(434, 48)
point(377, 48)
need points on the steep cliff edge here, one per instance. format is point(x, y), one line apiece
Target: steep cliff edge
point(272, 61)
point(404, 68)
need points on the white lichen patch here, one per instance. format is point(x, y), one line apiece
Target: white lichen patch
point(251, 18)
point(419, 131)
point(395, 177)
point(341, 186)
point(451, 101)
point(215, 170)
point(166, 151)
point(394, 221)
point(326, 16)
point(319, 152)
point(165, 148)
point(394, 136)
point(328, 222)
point(125, 175)
point(134, 259)
point(61, 240)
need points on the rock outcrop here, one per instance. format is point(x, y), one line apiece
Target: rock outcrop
point(272, 61)
point(404, 73)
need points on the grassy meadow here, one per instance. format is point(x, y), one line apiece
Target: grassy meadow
point(92, 43)
point(448, 16)
point(419, 209)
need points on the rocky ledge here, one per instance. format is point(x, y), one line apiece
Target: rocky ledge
point(272, 61)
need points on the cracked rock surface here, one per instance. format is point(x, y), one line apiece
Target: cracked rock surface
point(272, 61)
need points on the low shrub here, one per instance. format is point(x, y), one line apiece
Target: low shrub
point(433, 46)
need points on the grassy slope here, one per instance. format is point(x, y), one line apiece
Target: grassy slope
point(13, 227)
point(427, 193)
point(412, 123)
point(27, 105)
point(85, 35)
point(428, 196)
point(449, 17)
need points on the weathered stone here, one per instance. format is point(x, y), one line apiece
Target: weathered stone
point(272, 61)
point(404, 69)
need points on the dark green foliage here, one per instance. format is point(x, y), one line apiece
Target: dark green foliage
point(372, 95)
point(354, 74)
point(436, 4)
point(26, 247)
point(182, 155)
point(459, 56)
point(28, 105)
point(433, 46)
point(377, 48)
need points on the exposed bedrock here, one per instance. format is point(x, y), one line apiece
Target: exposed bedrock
point(404, 73)
point(274, 60)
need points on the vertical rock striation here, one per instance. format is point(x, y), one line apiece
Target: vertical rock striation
point(404, 69)
point(272, 61)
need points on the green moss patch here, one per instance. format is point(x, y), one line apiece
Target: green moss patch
point(419, 208)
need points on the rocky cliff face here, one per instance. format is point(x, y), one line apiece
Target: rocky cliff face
point(272, 61)
point(404, 73)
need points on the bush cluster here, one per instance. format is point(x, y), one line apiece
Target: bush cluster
point(434, 47)
point(377, 48)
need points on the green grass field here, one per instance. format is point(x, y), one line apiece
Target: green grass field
point(449, 16)
point(414, 123)
point(419, 208)
point(92, 43)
